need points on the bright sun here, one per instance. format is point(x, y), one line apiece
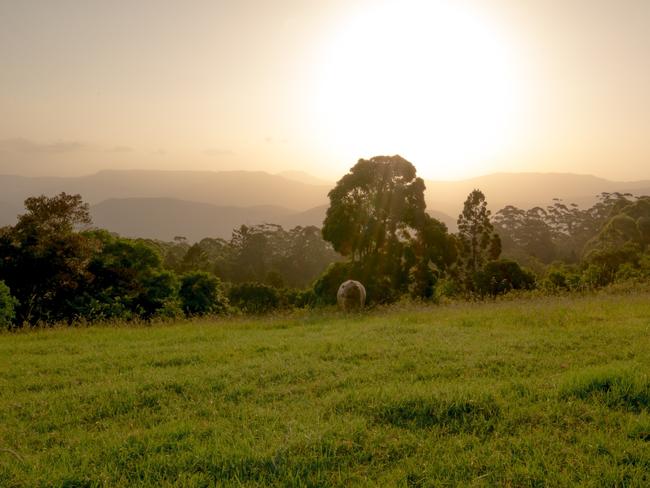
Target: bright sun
point(429, 80)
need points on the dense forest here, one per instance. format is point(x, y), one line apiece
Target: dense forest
point(56, 268)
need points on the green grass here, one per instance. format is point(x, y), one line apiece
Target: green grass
point(531, 392)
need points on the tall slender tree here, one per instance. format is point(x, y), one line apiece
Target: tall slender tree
point(478, 241)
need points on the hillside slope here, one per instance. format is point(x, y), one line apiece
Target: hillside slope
point(304, 203)
point(537, 392)
point(165, 218)
point(526, 190)
point(226, 188)
point(8, 214)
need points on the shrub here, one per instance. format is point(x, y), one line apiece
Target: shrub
point(561, 278)
point(628, 272)
point(255, 298)
point(158, 290)
point(557, 280)
point(170, 309)
point(328, 283)
point(604, 263)
point(448, 287)
point(595, 276)
point(7, 307)
point(644, 265)
point(380, 288)
point(301, 298)
point(501, 276)
point(126, 281)
point(201, 293)
point(422, 281)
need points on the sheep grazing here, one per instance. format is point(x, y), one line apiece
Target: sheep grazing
point(351, 295)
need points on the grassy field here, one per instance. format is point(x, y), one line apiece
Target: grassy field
point(532, 392)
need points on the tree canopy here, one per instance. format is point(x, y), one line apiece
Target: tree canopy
point(377, 218)
point(378, 203)
point(44, 259)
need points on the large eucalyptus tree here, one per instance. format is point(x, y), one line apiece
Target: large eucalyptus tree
point(377, 217)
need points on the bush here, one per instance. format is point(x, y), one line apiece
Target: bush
point(561, 278)
point(628, 272)
point(255, 298)
point(159, 290)
point(448, 287)
point(422, 281)
point(201, 293)
point(7, 307)
point(126, 281)
point(327, 285)
point(379, 287)
point(498, 277)
point(595, 276)
point(644, 265)
point(604, 263)
point(301, 298)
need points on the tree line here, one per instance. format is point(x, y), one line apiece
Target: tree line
point(54, 267)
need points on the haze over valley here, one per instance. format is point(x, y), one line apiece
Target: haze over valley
point(197, 204)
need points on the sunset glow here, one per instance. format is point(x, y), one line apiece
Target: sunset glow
point(460, 88)
point(430, 80)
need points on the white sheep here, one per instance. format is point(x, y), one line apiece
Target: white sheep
point(351, 295)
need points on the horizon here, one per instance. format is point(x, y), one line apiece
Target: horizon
point(472, 88)
point(284, 173)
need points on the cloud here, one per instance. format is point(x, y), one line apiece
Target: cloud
point(25, 146)
point(218, 152)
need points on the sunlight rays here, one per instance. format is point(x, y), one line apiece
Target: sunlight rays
point(428, 80)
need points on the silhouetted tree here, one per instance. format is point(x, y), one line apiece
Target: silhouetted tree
point(306, 255)
point(195, 259)
point(378, 203)
point(501, 276)
point(254, 298)
point(623, 240)
point(253, 252)
point(477, 240)
point(44, 259)
point(377, 218)
point(573, 227)
point(525, 232)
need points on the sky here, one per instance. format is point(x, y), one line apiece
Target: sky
point(460, 88)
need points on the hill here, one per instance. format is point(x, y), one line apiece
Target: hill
point(165, 218)
point(8, 214)
point(303, 177)
point(316, 216)
point(526, 190)
point(225, 188)
point(545, 392)
point(290, 198)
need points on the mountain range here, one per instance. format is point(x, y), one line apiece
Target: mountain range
point(196, 204)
